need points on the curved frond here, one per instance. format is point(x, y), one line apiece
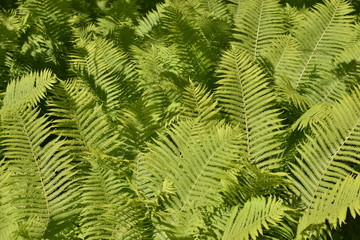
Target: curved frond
point(160, 73)
point(53, 16)
point(152, 19)
point(330, 154)
point(284, 57)
point(106, 70)
point(332, 206)
point(78, 118)
point(245, 95)
point(253, 218)
point(193, 159)
point(28, 90)
point(184, 31)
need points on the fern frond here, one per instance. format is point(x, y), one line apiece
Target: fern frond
point(109, 211)
point(78, 118)
point(160, 79)
point(284, 57)
point(106, 70)
point(253, 218)
point(245, 95)
point(323, 35)
point(194, 159)
point(257, 24)
point(140, 123)
point(28, 90)
point(198, 103)
point(152, 19)
point(330, 154)
point(52, 15)
point(199, 156)
point(215, 9)
point(311, 117)
point(332, 206)
point(194, 50)
point(41, 186)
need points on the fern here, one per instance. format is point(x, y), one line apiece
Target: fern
point(256, 214)
point(194, 161)
point(41, 185)
point(109, 211)
point(257, 24)
point(245, 96)
point(28, 90)
point(329, 158)
point(332, 206)
point(322, 43)
point(199, 119)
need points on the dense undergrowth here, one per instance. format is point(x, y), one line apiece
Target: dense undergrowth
point(194, 119)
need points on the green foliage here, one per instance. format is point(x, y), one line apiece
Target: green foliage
point(194, 119)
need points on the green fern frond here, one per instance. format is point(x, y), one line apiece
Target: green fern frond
point(257, 24)
point(332, 206)
point(106, 70)
point(253, 218)
point(311, 117)
point(194, 159)
point(198, 103)
point(51, 16)
point(160, 78)
point(199, 156)
point(78, 118)
point(109, 211)
point(284, 57)
point(152, 19)
point(247, 181)
point(244, 93)
point(29, 90)
point(323, 35)
point(330, 154)
point(139, 124)
point(41, 188)
point(194, 49)
point(350, 53)
point(215, 9)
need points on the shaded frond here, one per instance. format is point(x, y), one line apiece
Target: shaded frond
point(329, 155)
point(253, 218)
point(323, 35)
point(87, 126)
point(195, 51)
point(332, 206)
point(109, 211)
point(160, 78)
point(139, 124)
point(244, 93)
point(51, 15)
point(41, 188)
point(106, 70)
